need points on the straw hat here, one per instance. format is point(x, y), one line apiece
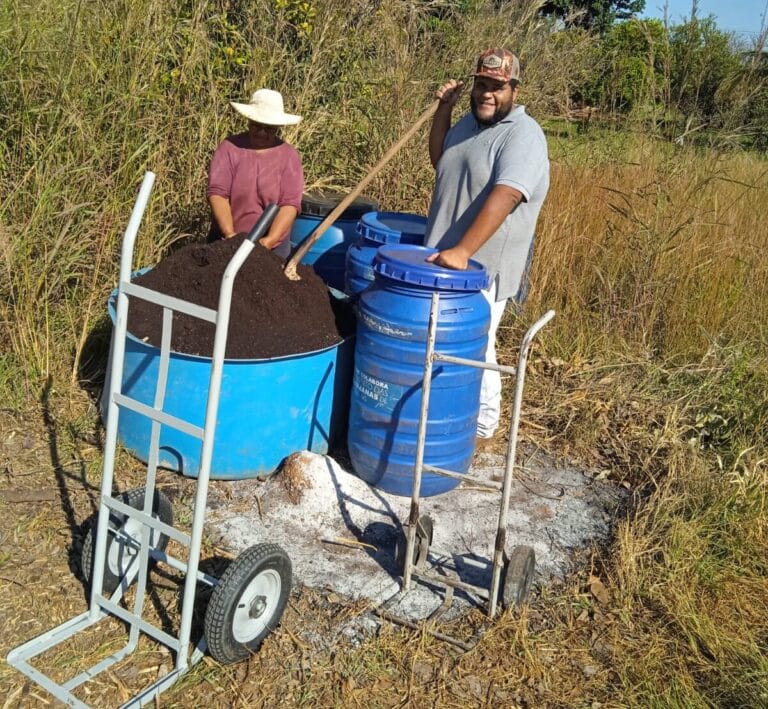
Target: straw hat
point(266, 106)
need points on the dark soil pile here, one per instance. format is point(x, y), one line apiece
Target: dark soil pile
point(271, 315)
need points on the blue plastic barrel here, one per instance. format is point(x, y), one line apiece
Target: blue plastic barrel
point(268, 408)
point(328, 254)
point(378, 229)
point(392, 324)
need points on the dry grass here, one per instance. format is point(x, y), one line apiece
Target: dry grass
point(655, 375)
point(146, 86)
point(656, 247)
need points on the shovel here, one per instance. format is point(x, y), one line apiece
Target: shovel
point(290, 267)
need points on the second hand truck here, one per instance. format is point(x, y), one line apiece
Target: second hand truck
point(134, 528)
point(519, 565)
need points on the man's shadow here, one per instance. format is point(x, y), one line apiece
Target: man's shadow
point(65, 476)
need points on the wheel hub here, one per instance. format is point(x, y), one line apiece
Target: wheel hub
point(258, 606)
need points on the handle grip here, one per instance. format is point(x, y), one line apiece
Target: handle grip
point(265, 221)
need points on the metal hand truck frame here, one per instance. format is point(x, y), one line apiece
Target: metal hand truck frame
point(132, 533)
point(519, 566)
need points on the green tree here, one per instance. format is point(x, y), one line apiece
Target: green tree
point(742, 101)
point(702, 58)
point(596, 15)
point(628, 67)
point(757, 105)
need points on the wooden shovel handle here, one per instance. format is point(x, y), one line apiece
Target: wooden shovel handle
point(290, 267)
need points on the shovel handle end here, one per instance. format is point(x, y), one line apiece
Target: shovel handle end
point(291, 273)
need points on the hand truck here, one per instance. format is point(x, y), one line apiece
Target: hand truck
point(519, 566)
point(133, 529)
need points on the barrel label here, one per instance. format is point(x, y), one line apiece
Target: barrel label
point(382, 326)
point(373, 389)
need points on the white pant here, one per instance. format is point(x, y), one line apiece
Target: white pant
point(490, 389)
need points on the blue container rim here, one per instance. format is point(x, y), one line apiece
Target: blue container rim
point(408, 264)
point(112, 311)
point(374, 227)
point(321, 204)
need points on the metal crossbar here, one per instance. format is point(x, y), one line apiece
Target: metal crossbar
point(169, 302)
point(463, 477)
point(146, 520)
point(158, 416)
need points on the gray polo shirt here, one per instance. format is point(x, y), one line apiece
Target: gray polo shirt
point(476, 158)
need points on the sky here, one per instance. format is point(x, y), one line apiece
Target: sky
point(741, 16)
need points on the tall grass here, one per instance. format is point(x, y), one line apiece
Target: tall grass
point(659, 247)
point(94, 94)
point(653, 255)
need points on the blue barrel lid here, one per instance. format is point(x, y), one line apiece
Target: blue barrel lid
point(393, 227)
point(408, 263)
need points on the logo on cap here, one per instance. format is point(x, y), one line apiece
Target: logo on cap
point(492, 62)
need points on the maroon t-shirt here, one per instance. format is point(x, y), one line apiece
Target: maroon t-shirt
point(251, 179)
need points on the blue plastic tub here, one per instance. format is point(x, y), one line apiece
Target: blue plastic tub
point(378, 229)
point(392, 324)
point(327, 255)
point(269, 408)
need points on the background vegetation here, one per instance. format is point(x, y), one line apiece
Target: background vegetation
point(651, 249)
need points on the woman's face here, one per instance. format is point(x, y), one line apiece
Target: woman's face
point(262, 135)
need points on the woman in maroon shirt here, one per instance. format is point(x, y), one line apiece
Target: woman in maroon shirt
point(254, 169)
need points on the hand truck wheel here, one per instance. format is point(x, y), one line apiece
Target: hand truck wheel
point(124, 539)
point(248, 602)
point(424, 531)
point(518, 576)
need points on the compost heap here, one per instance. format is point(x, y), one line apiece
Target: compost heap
point(270, 316)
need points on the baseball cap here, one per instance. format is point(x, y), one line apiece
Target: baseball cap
point(498, 64)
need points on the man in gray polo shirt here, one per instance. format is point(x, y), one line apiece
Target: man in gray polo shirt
point(492, 175)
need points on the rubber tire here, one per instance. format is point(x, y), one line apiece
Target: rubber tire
point(273, 567)
point(161, 509)
point(401, 544)
point(518, 576)
point(424, 531)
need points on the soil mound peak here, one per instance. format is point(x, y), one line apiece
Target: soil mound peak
point(271, 315)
